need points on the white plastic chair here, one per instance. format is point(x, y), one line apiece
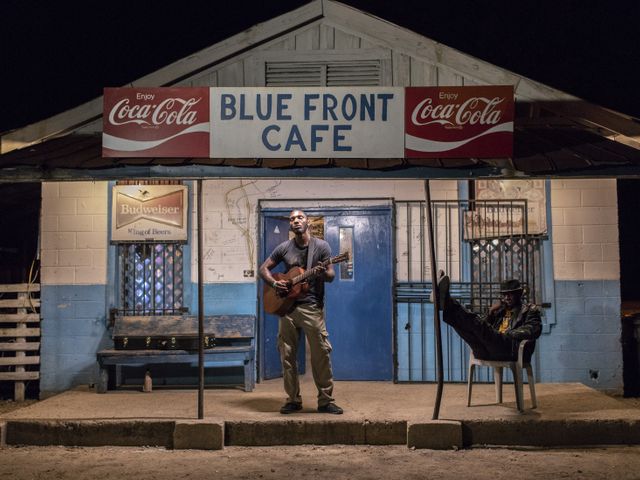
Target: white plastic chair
point(516, 368)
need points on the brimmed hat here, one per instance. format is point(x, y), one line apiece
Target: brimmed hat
point(511, 285)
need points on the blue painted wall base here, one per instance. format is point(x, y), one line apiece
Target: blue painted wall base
point(581, 345)
point(74, 328)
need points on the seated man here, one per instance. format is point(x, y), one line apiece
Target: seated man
point(497, 335)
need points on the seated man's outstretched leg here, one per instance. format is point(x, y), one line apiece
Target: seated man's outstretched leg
point(485, 342)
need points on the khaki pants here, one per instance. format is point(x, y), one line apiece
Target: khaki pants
point(310, 319)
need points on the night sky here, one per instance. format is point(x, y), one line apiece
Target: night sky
point(57, 55)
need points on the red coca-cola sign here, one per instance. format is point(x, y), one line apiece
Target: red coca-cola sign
point(156, 122)
point(456, 122)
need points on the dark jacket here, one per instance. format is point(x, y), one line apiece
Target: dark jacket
point(525, 325)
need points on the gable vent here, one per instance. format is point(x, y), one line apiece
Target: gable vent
point(324, 74)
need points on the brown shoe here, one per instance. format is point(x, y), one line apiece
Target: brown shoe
point(330, 408)
point(290, 407)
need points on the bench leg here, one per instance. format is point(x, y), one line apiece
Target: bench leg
point(117, 376)
point(103, 380)
point(248, 376)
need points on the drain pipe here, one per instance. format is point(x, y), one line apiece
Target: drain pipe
point(200, 308)
point(436, 304)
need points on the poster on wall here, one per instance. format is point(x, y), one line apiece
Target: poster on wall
point(505, 211)
point(149, 213)
point(156, 122)
point(459, 122)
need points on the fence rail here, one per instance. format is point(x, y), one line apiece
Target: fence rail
point(19, 335)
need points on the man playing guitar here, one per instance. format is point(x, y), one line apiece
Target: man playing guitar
point(307, 312)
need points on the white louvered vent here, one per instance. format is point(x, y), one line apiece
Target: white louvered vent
point(329, 74)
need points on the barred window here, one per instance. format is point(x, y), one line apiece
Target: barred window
point(151, 278)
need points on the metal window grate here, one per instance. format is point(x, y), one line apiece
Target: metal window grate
point(329, 74)
point(151, 278)
point(479, 243)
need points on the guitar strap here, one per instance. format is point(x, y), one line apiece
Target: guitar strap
point(310, 252)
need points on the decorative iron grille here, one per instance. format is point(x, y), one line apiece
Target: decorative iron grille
point(151, 278)
point(478, 243)
point(497, 259)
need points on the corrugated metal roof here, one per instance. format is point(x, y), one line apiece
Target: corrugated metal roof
point(539, 150)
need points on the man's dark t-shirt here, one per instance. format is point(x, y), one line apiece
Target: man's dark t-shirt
point(292, 255)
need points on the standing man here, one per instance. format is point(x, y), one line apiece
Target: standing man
point(304, 251)
point(497, 335)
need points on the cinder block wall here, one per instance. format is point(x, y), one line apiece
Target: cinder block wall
point(73, 277)
point(74, 259)
point(231, 228)
point(584, 343)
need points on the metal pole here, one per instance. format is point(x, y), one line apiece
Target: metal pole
point(436, 304)
point(200, 309)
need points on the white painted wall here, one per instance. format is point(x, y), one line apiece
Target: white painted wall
point(74, 235)
point(231, 223)
point(74, 222)
point(75, 239)
point(585, 229)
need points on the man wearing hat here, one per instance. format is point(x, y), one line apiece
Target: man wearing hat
point(497, 335)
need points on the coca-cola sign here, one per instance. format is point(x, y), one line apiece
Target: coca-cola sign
point(156, 122)
point(309, 122)
point(456, 122)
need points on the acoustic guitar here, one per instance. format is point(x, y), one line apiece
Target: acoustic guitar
point(298, 281)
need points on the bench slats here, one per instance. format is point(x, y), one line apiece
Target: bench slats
point(150, 352)
point(181, 326)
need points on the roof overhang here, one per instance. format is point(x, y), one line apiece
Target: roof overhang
point(543, 147)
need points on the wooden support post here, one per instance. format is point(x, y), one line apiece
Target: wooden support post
point(200, 307)
point(436, 304)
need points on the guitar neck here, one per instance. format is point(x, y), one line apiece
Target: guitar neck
point(308, 274)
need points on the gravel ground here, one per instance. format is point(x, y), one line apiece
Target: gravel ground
point(337, 462)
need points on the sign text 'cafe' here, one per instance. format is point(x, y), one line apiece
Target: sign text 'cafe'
point(367, 122)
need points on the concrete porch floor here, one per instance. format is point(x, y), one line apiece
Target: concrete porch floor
point(375, 413)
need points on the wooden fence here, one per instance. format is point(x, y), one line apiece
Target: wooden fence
point(19, 335)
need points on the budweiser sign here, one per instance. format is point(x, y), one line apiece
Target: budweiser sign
point(156, 122)
point(149, 212)
point(455, 122)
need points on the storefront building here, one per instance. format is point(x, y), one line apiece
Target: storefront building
point(545, 214)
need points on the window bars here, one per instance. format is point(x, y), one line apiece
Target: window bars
point(151, 278)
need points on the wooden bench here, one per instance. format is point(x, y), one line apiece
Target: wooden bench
point(229, 341)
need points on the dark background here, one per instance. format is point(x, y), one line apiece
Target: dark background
point(57, 55)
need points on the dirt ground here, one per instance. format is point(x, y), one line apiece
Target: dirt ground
point(308, 461)
point(337, 462)
point(7, 406)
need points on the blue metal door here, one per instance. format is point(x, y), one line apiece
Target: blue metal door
point(275, 231)
point(358, 303)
